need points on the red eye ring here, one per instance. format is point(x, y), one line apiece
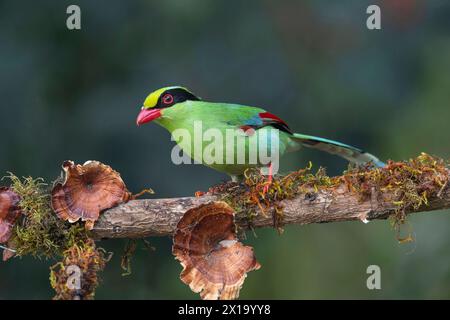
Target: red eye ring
point(167, 98)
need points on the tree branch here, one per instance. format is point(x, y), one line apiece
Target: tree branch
point(159, 217)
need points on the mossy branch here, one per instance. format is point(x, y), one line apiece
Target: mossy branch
point(417, 185)
point(31, 225)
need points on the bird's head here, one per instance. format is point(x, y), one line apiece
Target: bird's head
point(161, 99)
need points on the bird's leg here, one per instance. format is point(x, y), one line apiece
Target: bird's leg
point(269, 180)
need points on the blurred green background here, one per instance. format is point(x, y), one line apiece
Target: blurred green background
point(76, 94)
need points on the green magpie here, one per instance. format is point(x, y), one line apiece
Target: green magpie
point(177, 108)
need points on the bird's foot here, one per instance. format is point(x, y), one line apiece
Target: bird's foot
point(267, 185)
point(269, 180)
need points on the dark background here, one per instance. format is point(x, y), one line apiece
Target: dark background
point(76, 94)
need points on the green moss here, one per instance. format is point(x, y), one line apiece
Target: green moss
point(252, 199)
point(40, 232)
point(89, 260)
point(408, 185)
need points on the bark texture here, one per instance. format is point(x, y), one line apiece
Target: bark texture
point(159, 217)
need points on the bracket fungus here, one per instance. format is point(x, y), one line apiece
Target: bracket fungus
point(9, 212)
point(88, 190)
point(215, 263)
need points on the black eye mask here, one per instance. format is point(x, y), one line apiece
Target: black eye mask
point(174, 96)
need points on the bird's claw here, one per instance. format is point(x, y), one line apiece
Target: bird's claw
point(266, 188)
point(269, 180)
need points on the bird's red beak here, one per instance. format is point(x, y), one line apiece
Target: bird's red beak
point(147, 115)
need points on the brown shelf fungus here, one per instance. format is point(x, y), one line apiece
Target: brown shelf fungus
point(215, 263)
point(9, 212)
point(88, 190)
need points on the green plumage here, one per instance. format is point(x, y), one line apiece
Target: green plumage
point(187, 114)
point(218, 116)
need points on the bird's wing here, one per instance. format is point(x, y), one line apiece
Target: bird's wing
point(254, 118)
point(269, 119)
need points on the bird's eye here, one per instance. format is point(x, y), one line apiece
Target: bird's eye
point(167, 99)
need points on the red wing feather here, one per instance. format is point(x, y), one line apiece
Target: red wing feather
point(272, 120)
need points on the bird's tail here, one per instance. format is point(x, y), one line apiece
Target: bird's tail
point(345, 151)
